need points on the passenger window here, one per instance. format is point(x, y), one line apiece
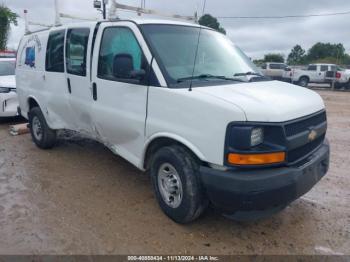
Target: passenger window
point(324, 68)
point(275, 66)
point(120, 57)
point(264, 66)
point(54, 53)
point(76, 51)
point(312, 68)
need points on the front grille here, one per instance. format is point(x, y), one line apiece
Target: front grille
point(301, 152)
point(303, 125)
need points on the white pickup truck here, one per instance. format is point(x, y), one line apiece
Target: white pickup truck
point(343, 78)
point(317, 73)
point(181, 102)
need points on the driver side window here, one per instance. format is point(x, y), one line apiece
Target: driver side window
point(121, 58)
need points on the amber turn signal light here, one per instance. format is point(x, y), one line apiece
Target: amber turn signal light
point(256, 159)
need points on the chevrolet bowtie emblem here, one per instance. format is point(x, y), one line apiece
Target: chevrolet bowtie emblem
point(312, 135)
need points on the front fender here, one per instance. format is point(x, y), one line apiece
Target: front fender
point(177, 138)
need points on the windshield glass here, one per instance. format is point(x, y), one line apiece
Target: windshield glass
point(175, 49)
point(7, 68)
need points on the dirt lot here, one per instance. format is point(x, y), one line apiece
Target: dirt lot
point(79, 198)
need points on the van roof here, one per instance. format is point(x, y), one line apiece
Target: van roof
point(139, 21)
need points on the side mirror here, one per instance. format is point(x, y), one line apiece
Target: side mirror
point(123, 66)
point(138, 74)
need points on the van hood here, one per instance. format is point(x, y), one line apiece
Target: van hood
point(8, 81)
point(271, 101)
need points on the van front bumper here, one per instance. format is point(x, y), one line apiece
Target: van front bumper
point(266, 188)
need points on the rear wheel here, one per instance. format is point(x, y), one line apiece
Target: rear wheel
point(175, 178)
point(338, 85)
point(43, 136)
point(304, 81)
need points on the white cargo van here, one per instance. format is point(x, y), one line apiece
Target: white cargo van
point(182, 102)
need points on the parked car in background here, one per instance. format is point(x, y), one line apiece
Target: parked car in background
point(320, 74)
point(8, 95)
point(342, 78)
point(7, 54)
point(315, 73)
point(275, 70)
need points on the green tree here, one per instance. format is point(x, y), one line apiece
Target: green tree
point(346, 60)
point(326, 50)
point(212, 22)
point(259, 62)
point(7, 17)
point(277, 58)
point(296, 56)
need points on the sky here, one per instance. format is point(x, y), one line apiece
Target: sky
point(255, 37)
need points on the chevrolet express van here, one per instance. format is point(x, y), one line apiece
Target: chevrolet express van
point(182, 102)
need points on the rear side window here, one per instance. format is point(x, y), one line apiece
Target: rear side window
point(312, 68)
point(76, 50)
point(277, 66)
point(324, 68)
point(54, 52)
point(264, 66)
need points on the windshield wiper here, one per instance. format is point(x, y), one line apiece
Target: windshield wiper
point(248, 74)
point(208, 76)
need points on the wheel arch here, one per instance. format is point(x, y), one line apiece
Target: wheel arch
point(157, 141)
point(28, 104)
point(32, 102)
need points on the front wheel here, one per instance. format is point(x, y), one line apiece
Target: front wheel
point(43, 136)
point(175, 178)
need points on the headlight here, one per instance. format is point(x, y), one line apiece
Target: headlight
point(4, 89)
point(249, 144)
point(245, 137)
point(257, 136)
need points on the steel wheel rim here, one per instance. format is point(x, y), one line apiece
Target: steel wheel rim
point(37, 129)
point(170, 186)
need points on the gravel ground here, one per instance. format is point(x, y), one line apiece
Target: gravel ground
point(79, 198)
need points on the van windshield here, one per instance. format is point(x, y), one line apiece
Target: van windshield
point(217, 60)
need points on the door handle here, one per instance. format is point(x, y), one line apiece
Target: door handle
point(94, 91)
point(69, 86)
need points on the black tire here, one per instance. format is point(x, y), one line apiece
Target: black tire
point(338, 85)
point(193, 202)
point(46, 137)
point(303, 81)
